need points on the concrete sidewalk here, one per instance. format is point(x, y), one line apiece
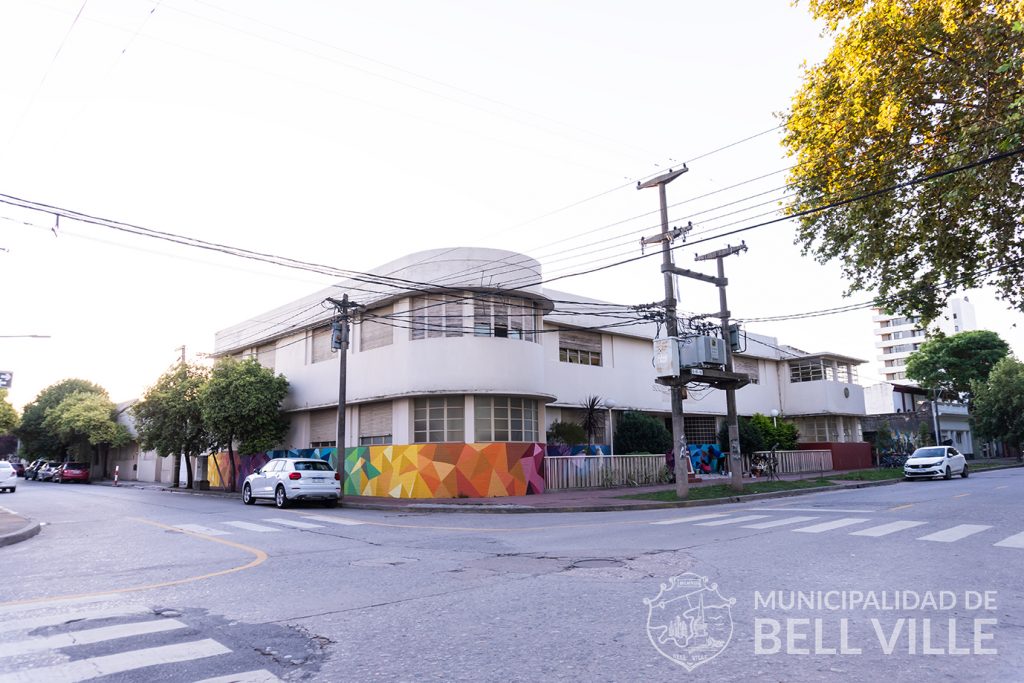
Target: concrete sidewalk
point(15, 528)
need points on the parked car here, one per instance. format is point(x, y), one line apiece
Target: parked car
point(935, 461)
point(19, 467)
point(8, 477)
point(73, 471)
point(292, 479)
point(33, 469)
point(47, 471)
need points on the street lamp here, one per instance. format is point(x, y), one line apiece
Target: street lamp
point(609, 404)
point(775, 417)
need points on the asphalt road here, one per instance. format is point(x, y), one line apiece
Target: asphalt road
point(920, 581)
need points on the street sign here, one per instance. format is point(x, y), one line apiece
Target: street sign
point(5, 379)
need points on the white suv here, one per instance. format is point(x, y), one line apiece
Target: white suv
point(935, 461)
point(289, 479)
point(8, 477)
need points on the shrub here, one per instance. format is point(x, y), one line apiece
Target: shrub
point(641, 433)
point(568, 433)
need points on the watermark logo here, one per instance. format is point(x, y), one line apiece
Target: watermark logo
point(689, 622)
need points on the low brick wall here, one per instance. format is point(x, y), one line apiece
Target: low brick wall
point(845, 456)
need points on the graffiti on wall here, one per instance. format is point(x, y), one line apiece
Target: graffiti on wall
point(449, 470)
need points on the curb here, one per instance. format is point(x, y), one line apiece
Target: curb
point(613, 507)
point(26, 532)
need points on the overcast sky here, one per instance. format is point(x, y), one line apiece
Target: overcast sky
point(351, 133)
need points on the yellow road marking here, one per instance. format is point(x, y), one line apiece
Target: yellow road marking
point(961, 495)
point(901, 507)
point(260, 558)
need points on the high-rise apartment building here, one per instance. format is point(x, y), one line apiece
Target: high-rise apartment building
point(896, 337)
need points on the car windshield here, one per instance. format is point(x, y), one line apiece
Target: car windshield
point(74, 466)
point(929, 453)
point(319, 466)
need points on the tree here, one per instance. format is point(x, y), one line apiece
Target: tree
point(169, 417)
point(910, 88)
point(8, 415)
point(641, 433)
point(592, 420)
point(568, 433)
point(36, 440)
point(777, 434)
point(751, 439)
point(84, 421)
point(242, 403)
point(958, 361)
point(999, 404)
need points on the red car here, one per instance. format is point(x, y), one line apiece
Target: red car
point(73, 471)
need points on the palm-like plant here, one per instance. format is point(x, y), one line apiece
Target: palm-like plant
point(592, 420)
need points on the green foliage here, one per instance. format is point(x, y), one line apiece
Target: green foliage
point(925, 435)
point(957, 361)
point(999, 404)
point(86, 418)
point(169, 417)
point(641, 433)
point(751, 439)
point(567, 433)
point(8, 415)
point(37, 440)
point(242, 402)
point(778, 433)
point(909, 88)
point(592, 420)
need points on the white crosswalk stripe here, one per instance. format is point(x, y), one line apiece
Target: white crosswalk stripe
point(691, 518)
point(249, 526)
point(732, 520)
point(88, 636)
point(829, 526)
point(293, 523)
point(778, 522)
point(30, 623)
point(334, 520)
point(1015, 541)
point(107, 665)
point(200, 529)
point(259, 676)
point(886, 529)
point(955, 533)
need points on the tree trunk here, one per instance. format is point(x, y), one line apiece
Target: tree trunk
point(176, 482)
point(231, 466)
point(190, 480)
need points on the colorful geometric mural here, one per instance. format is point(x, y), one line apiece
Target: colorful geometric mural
point(447, 470)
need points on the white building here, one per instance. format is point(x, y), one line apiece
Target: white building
point(460, 359)
point(899, 336)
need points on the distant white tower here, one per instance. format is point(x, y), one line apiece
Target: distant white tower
point(896, 337)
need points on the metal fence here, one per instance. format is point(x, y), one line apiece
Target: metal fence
point(597, 471)
point(795, 462)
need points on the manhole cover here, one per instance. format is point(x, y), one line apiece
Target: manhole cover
point(597, 563)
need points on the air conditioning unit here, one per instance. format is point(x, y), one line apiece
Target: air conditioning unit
point(701, 352)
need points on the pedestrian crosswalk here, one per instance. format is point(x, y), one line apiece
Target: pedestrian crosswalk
point(268, 525)
point(80, 640)
point(823, 523)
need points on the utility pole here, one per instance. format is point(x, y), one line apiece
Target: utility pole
point(735, 457)
point(182, 349)
point(339, 342)
point(671, 324)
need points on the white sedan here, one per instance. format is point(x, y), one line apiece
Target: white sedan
point(284, 480)
point(935, 461)
point(8, 477)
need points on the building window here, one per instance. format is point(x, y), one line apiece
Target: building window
point(511, 318)
point(323, 428)
point(579, 346)
point(847, 373)
point(700, 429)
point(505, 418)
point(265, 355)
point(375, 331)
point(375, 424)
point(814, 429)
point(436, 420)
point(321, 342)
point(436, 315)
point(806, 371)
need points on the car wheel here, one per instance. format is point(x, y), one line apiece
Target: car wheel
point(247, 495)
point(964, 473)
point(331, 503)
point(280, 498)
point(949, 474)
